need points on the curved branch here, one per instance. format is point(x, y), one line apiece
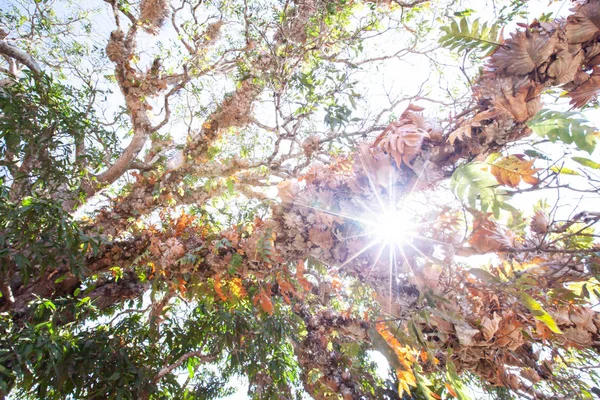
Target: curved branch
point(15, 53)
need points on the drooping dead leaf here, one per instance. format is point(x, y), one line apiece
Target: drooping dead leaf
point(511, 170)
point(583, 318)
point(153, 14)
point(487, 236)
point(561, 316)
point(377, 166)
point(401, 141)
point(490, 326)
point(539, 222)
point(509, 335)
point(323, 239)
point(306, 285)
point(530, 375)
point(584, 25)
point(429, 277)
point(521, 105)
point(264, 301)
point(578, 337)
point(524, 52)
point(460, 133)
point(466, 127)
point(286, 190)
point(566, 65)
point(218, 285)
point(465, 334)
point(587, 91)
point(310, 145)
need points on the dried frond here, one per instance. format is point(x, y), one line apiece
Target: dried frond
point(401, 141)
point(153, 14)
point(524, 52)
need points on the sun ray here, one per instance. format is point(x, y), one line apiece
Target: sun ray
point(373, 187)
point(357, 236)
point(381, 248)
point(333, 213)
point(373, 243)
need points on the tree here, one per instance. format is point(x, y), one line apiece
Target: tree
point(145, 255)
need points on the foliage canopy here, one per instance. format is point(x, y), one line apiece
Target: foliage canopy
point(194, 193)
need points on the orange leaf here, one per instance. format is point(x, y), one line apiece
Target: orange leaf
point(423, 356)
point(263, 299)
point(451, 390)
point(285, 288)
point(306, 285)
point(404, 354)
point(218, 288)
point(181, 287)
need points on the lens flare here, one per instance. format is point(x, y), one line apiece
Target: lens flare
point(392, 227)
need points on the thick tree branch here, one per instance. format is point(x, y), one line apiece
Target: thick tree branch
point(21, 56)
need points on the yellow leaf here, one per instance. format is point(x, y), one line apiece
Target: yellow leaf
point(511, 170)
point(237, 288)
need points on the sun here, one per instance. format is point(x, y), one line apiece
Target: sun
point(392, 227)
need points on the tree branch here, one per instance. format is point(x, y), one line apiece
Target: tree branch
point(21, 56)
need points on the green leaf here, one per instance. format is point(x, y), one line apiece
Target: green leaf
point(567, 127)
point(474, 184)
point(586, 162)
point(484, 276)
point(230, 185)
point(538, 312)
point(461, 37)
point(536, 154)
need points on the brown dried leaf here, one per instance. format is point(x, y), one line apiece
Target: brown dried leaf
point(524, 52)
point(578, 337)
point(566, 65)
point(487, 236)
point(584, 25)
point(219, 288)
point(465, 334)
point(521, 105)
point(539, 222)
point(153, 14)
point(587, 91)
point(583, 318)
point(306, 285)
point(509, 335)
point(490, 326)
point(377, 166)
point(286, 190)
point(530, 375)
point(401, 142)
point(321, 238)
point(460, 133)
